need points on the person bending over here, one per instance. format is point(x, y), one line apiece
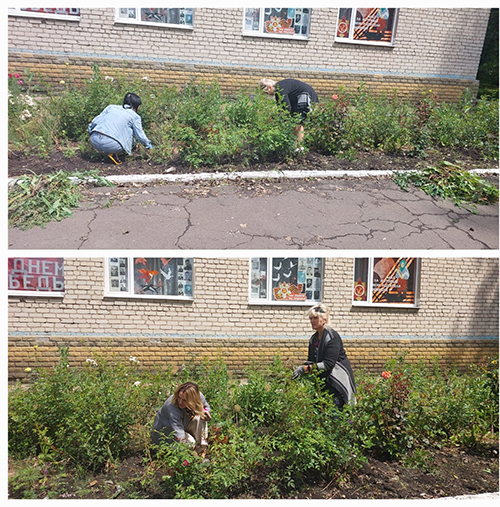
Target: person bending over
point(113, 131)
point(296, 95)
point(183, 418)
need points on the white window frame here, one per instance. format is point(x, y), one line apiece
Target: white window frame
point(129, 294)
point(269, 291)
point(138, 21)
point(44, 274)
point(352, 23)
point(369, 287)
point(16, 11)
point(260, 33)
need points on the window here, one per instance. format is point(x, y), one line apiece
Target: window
point(286, 280)
point(150, 277)
point(371, 25)
point(67, 13)
point(277, 22)
point(41, 276)
point(387, 281)
point(156, 16)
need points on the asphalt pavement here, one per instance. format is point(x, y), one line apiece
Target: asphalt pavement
point(275, 210)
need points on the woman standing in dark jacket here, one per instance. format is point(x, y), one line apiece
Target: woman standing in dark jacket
point(327, 355)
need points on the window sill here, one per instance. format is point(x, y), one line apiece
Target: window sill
point(157, 25)
point(276, 36)
point(45, 16)
point(384, 305)
point(366, 43)
point(117, 295)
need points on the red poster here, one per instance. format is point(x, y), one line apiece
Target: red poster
point(40, 274)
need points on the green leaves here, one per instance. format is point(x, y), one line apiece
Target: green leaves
point(39, 199)
point(449, 181)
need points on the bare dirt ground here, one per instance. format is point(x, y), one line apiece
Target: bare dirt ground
point(138, 163)
point(448, 472)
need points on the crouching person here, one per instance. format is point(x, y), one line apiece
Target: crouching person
point(183, 418)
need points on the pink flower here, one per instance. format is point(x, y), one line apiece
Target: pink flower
point(386, 374)
point(20, 81)
point(186, 463)
point(335, 97)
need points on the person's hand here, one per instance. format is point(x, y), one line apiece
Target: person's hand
point(206, 415)
point(149, 146)
point(298, 372)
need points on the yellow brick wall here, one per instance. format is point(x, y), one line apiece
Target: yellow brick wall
point(75, 73)
point(239, 355)
point(457, 318)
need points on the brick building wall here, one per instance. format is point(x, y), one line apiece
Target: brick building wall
point(457, 319)
point(434, 49)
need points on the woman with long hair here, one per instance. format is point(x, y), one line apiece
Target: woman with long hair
point(326, 355)
point(183, 417)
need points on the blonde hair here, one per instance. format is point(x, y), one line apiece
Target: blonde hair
point(321, 310)
point(265, 82)
point(192, 397)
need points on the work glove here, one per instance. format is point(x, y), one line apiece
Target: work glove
point(298, 372)
point(149, 146)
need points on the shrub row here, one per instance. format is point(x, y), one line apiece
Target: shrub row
point(206, 128)
point(269, 430)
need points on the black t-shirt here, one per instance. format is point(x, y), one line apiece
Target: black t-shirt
point(289, 90)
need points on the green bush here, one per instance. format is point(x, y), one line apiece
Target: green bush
point(84, 416)
point(468, 124)
point(205, 128)
point(269, 432)
point(326, 125)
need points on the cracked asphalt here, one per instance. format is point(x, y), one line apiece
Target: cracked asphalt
point(339, 213)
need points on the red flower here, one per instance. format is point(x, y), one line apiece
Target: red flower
point(386, 374)
point(335, 97)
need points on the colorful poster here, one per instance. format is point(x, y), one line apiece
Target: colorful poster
point(41, 274)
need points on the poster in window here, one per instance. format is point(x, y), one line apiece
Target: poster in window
point(163, 277)
point(258, 278)
point(344, 22)
point(60, 11)
point(374, 24)
point(252, 19)
point(394, 280)
point(118, 274)
point(126, 13)
point(279, 21)
point(36, 275)
point(286, 279)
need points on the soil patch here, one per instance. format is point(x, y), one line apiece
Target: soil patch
point(447, 472)
point(21, 164)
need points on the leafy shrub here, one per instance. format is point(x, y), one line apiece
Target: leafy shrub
point(383, 410)
point(269, 433)
point(82, 416)
point(388, 124)
point(204, 127)
point(468, 124)
point(32, 125)
point(326, 125)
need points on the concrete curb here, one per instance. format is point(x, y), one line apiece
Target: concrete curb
point(482, 496)
point(248, 175)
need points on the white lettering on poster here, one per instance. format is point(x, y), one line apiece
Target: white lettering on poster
point(36, 275)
